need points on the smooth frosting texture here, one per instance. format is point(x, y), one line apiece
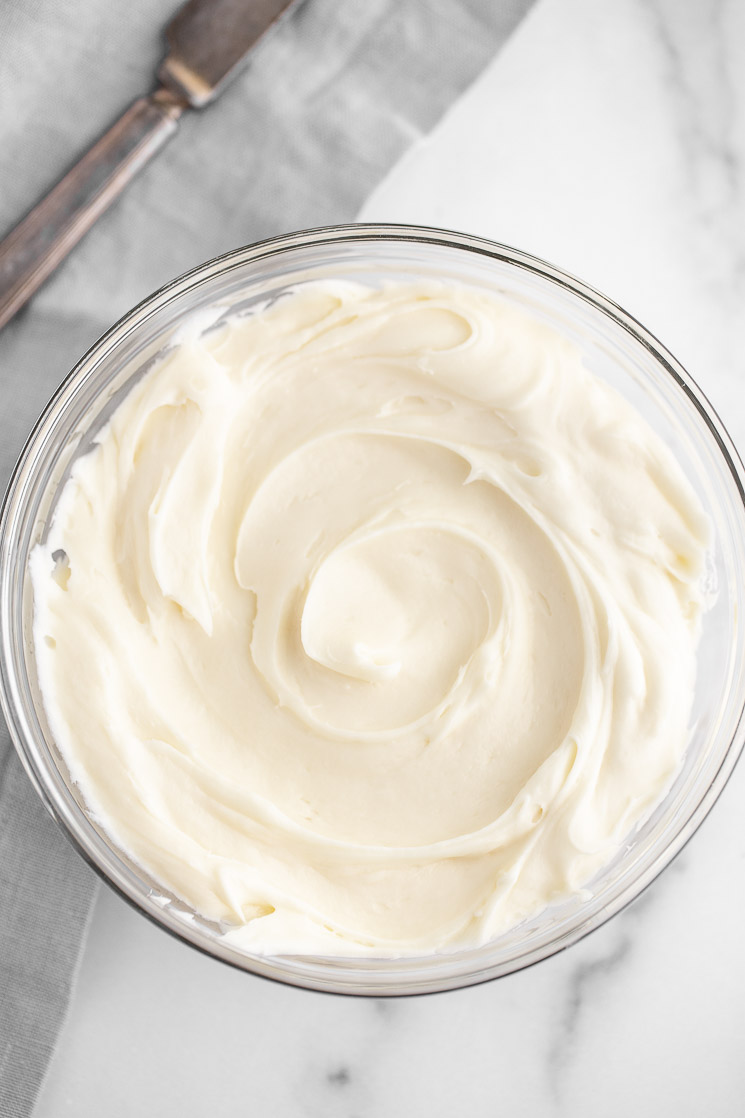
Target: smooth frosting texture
point(369, 624)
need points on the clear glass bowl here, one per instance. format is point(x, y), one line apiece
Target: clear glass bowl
point(615, 347)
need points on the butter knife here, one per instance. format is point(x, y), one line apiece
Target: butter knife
point(207, 41)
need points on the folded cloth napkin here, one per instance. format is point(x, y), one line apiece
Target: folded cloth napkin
point(325, 107)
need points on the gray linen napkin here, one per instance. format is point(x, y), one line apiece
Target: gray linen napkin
point(325, 108)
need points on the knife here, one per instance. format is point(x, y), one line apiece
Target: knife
point(207, 41)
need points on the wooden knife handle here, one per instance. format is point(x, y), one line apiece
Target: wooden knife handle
point(31, 252)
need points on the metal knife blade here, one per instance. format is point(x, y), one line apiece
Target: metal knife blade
point(209, 39)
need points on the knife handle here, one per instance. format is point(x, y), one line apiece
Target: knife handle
point(31, 252)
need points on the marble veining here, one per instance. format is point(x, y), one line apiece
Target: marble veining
point(704, 95)
point(339, 1076)
point(705, 92)
point(585, 982)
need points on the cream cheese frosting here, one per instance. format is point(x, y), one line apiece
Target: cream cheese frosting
point(368, 626)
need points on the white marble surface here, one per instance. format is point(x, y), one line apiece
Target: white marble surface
point(609, 138)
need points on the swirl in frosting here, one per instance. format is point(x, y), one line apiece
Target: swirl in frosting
point(369, 624)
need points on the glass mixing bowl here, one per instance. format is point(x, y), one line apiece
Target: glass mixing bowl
point(615, 347)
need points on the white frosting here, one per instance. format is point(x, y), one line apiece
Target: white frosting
point(375, 630)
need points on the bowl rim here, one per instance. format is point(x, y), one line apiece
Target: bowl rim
point(65, 810)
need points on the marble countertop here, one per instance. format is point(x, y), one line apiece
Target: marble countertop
point(609, 139)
